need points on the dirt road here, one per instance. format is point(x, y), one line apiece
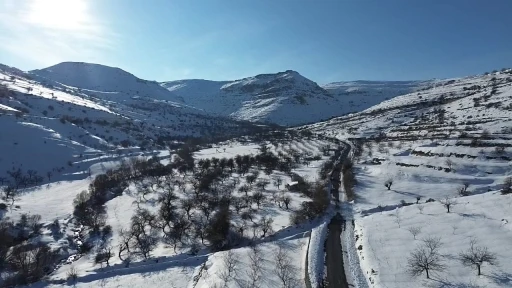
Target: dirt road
point(334, 256)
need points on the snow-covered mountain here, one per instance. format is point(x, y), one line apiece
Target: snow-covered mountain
point(104, 81)
point(43, 118)
point(157, 221)
point(465, 101)
point(285, 98)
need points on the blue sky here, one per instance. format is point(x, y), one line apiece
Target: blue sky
point(324, 40)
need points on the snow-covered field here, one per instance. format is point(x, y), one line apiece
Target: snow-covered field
point(173, 266)
point(383, 222)
point(431, 151)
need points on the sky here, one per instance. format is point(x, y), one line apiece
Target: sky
point(324, 40)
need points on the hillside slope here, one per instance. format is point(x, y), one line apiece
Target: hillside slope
point(432, 167)
point(285, 98)
point(361, 94)
point(104, 81)
point(44, 119)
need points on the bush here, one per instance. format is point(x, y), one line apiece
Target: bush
point(507, 186)
point(309, 210)
point(218, 229)
point(30, 262)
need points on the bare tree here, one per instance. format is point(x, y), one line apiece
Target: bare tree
point(448, 203)
point(388, 183)
point(414, 231)
point(262, 184)
point(10, 193)
point(278, 181)
point(235, 181)
point(507, 186)
point(454, 228)
point(266, 225)
point(230, 262)
point(125, 238)
point(187, 205)
point(104, 255)
point(426, 258)
point(200, 226)
point(286, 200)
point(72, 275)
point(398, 218)
point(449, 162)
point(251, 178)
point(256, 268)
point(463, 190)
point(238, 204)
point(477, 256)
point(284, 268)
point(258, 198)
point(244, 189)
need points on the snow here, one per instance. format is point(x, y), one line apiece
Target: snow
point(440, 160)
point(55, 201)
point(478, 216)
point(316, 253)
point(142, 109)
point(275, 97)
point(294, 249)
point(3, 107)
point(228, 151)
point(104, 79)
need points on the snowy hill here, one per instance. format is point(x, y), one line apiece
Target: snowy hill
point(432, 166)
point(104, 81)
point(285, 98)
point(455, 103)
point(360, 95)
point(44, 119)
point(95, 192)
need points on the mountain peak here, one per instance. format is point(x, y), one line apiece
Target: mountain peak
point(104, 80)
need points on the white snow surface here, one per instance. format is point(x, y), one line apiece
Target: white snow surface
point(431, 157)
point(281, 97)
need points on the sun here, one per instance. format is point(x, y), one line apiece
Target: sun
point(59, 14)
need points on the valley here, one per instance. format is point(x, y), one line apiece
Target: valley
point(109, 180)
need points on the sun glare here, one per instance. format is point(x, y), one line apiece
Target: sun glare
point(59, 14)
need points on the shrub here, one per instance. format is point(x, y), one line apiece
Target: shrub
point(311, 209)
point(507, 186)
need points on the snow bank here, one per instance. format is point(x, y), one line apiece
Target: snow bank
point(316, 254)
point(355, 274)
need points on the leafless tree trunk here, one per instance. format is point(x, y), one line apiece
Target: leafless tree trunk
point(414, 231)
point(477, 256)
point(256, 268)
point(426, 258)
point(230, 262)
point(284, 269)
point(448, 202)
point(398, 218)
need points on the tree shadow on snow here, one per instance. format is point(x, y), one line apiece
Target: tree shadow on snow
point(147, 266)
point(502, 278)
point(406, 193)
point(445, 283)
